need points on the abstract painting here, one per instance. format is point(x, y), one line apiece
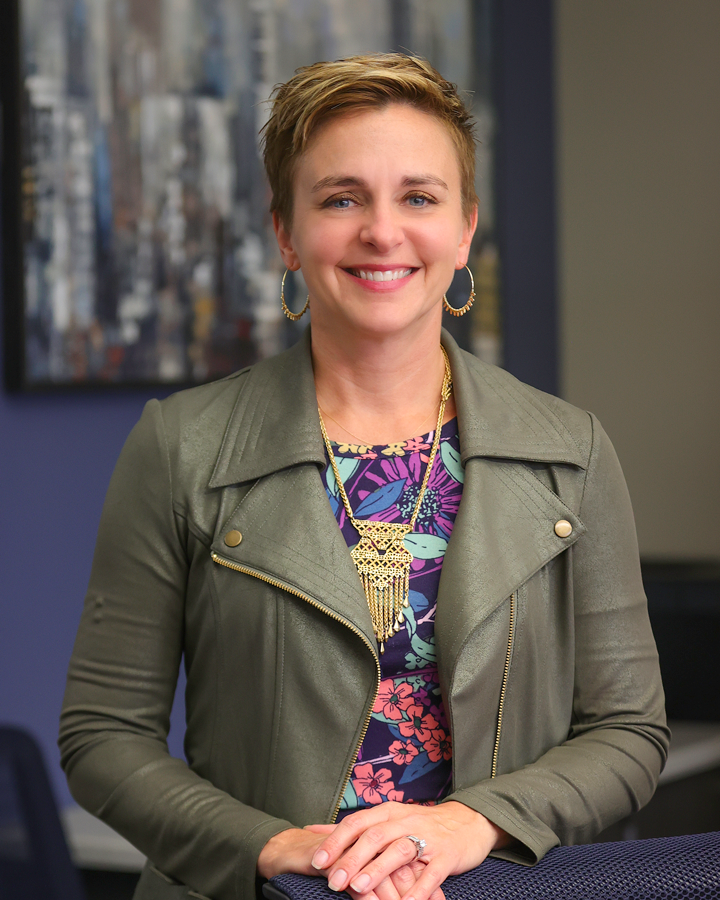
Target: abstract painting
point(137, 244)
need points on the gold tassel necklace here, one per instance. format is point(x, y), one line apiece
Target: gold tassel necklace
point(381, 558)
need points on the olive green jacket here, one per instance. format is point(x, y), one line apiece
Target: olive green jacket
point(547, 662)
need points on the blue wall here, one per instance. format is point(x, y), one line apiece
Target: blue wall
point(56, 456)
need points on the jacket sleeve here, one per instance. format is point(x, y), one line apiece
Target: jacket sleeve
point(121, 683)
point(618, 738)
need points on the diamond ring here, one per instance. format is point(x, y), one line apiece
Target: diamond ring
point(419, 844)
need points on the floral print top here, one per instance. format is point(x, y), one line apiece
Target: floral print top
point(407, 751)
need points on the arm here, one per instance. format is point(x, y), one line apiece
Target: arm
point(121, 684)
point(617, 745)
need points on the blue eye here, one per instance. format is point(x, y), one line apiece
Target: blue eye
point(339, 202)
point(419, 201)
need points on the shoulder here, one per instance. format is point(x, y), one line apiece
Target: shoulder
point(503, 417)
point(204, 409)
point(260, 419)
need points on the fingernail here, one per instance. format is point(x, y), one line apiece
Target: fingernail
point(360, 883)
point(320, 859)
point(337, 882)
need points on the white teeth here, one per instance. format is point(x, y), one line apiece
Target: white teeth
point(388, 275)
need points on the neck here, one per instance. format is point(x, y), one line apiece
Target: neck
point(381, 390)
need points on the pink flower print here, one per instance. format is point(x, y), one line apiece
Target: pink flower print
point(418, 725)
point(372, 786)
point(391, 700)
point(403, 752)
point(438, 746)
point(397, 796)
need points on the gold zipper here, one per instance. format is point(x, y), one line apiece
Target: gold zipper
point(279, 584)
point(503, 689)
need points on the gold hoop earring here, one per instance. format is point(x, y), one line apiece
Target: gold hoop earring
point(471, 299)
point(291, 315)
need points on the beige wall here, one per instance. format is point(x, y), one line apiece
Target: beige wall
point(638, 125)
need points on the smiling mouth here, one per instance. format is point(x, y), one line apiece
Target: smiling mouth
point(375, 275)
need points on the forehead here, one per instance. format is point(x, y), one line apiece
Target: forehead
point(396, 139)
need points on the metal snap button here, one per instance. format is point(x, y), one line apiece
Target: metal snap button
point(563, 528)
point(233, 538)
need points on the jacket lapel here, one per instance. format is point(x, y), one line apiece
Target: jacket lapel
point(503, 534)
point(505, 527)
point(290, 536)
point(289, 533)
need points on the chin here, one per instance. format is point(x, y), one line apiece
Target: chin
point(384, 324)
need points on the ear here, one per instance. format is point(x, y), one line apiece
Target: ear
point(468, 233)
point(285, 243)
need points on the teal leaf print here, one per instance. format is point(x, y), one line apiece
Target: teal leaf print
point(451, 460)
point(412, 662)
point(425, 546)
point(381, 499)
point(346, 468)
point(349, 798)
point(425, 650)
point(418, 767)
point(409, 614)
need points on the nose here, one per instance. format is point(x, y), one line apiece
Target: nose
point(382, 227)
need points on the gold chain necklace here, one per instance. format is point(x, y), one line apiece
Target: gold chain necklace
point(362, 443)
point(381, 558)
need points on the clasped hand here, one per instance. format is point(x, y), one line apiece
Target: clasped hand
point(369, 856)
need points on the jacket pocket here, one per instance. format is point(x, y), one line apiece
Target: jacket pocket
point(156, 885)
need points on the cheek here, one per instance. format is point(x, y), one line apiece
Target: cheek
point(322, 244)
point(439, 246)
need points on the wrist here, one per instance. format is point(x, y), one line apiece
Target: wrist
point(501, 837)
point(269, 860)
point(491, 835)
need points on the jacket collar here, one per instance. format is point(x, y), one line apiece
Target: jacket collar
point(274, 423)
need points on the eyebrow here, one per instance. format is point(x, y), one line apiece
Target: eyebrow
point(352, 181)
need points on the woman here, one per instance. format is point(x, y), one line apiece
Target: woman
point(388, 716)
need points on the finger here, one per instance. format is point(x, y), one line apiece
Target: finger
point(404, 878)
point(371, 859)
point(320, 829)
point(386, 890)
point(428, 883)
point(377, 852)
point(417, 868)
point(347, 832)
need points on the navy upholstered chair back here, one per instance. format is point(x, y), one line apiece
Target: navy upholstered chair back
point(673, 868)
point(35, 862)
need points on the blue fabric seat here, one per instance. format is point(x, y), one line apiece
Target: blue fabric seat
point(674, 868)
point(35, 862)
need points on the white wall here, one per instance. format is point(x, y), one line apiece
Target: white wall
point(638, 125)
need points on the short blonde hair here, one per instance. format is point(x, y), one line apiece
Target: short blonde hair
point(325, 90)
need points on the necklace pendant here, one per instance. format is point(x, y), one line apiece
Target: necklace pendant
point(383, 563)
